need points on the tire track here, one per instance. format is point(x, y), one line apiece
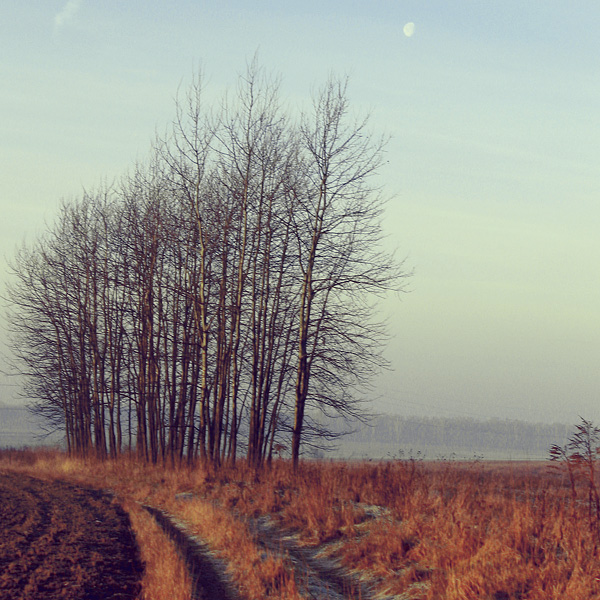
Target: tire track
point(209, 581)
point(316, 577)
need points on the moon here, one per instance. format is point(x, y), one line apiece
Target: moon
point(409, 29)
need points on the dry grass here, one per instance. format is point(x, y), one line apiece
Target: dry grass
point(256, 573)
point(432, 531)
point(165, 573)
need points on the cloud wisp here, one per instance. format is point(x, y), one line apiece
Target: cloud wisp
point(67, 13)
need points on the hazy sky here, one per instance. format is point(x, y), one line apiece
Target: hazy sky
point(493, 172)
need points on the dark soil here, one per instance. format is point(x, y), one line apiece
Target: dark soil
point(59, 541)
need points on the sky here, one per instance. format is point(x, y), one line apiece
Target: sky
point(492, 175)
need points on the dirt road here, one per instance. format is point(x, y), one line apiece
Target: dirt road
point(61, 541)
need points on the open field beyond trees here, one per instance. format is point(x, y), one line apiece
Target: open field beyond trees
point(403, 529)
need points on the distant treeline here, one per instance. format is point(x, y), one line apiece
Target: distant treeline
point(397, 436)
point(387, 436)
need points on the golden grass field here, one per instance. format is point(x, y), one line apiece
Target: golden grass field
point(411, 530)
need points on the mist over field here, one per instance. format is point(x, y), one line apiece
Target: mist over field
point(20, 428)
point(386, 437)
point(434, 438)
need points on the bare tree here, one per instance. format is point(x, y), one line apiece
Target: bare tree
point(336, 219)
point(221, 293)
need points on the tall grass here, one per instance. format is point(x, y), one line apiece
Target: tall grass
point(443, 530)
point(165, 572)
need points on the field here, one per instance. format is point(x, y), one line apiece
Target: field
point(61, 541)
point(402, 529)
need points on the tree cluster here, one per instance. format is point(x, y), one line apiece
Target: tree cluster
point(203, 306)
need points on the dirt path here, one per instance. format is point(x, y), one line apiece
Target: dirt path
point(61, 541)
point(317, 577)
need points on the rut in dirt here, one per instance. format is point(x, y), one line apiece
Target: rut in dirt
point(317, 578)
point(209, 581)
point(61, 541)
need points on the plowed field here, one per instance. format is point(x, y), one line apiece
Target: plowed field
point(61, 541)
